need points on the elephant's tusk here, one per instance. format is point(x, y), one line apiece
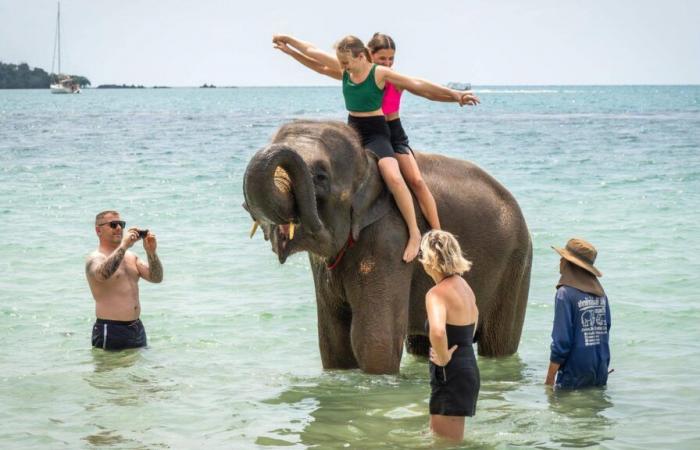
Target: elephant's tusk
point(253, 229)
point(291, 230)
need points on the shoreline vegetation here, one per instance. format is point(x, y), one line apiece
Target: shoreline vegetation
point(140, 86)
point(21, 76)
point(122, 86)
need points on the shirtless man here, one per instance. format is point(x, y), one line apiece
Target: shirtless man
point(113, 274)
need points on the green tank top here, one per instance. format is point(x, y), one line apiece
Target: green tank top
point(362, 97)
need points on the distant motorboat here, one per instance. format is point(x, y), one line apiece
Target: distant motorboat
point(64, 84)
point(459, 86)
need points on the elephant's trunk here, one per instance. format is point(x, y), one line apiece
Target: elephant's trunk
point(278, 189)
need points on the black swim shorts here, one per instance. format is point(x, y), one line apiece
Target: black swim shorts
point(118, 335)
point(375, 135)
point(399, 138)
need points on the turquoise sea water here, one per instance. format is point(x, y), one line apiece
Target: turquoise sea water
point(233, 359)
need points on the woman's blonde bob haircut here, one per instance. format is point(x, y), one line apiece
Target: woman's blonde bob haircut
point(440, 251)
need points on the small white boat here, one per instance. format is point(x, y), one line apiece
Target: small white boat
point(459, 86)
point(63, 84)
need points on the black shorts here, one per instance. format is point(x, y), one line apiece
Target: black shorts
point(399, 138)
point(375, 135)
point(118, 335)
point(455, 387)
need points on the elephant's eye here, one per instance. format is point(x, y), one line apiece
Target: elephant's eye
point(320, 178)
point(321, 186)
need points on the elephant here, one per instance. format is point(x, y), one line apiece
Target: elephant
point(314, 188)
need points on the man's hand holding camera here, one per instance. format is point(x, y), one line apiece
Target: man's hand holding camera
point(130, 237)
point(133, 234)
point(149, 241)
point(154, 272)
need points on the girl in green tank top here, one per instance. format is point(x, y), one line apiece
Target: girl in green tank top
point(364, 96)
point(363, 86)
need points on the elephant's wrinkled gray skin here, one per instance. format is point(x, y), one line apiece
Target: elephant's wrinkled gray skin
point(316, 176)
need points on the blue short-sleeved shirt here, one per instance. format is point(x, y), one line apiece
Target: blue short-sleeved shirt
point(580, 338)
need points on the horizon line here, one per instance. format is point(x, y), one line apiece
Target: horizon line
point(335, 86)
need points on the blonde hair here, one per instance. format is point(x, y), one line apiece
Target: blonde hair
point(441, 252)
point(354, 45)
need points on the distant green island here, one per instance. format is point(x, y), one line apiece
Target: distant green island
point(21, 76)
point(121, 86)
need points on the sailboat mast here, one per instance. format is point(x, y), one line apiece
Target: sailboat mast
point(55, 43)
point(60, 83)
point(58, 31)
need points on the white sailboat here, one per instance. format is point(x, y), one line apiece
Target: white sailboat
point(63, 84)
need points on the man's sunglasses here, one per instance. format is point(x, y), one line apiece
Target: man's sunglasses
point(113, 224)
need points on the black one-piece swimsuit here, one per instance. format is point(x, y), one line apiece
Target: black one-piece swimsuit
point(455, 387)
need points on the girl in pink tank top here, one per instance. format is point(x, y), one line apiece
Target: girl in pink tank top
point(382, 49)
point(392, 99)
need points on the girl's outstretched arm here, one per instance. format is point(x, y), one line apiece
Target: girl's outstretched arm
point(309, 50)
point(307, 61)
point(427, 89)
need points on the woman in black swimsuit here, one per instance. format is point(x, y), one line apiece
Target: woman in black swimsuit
point(452, 321)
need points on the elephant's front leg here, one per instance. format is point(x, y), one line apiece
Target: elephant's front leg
point(379, 323)
point(334, 319)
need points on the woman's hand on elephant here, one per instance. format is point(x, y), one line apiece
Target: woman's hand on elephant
point(435, 358)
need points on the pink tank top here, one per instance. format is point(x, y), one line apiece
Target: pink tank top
point(391, 100)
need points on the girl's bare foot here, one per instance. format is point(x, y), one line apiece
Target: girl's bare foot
point(412, 248)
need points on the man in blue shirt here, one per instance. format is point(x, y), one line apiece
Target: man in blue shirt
point(580, 351)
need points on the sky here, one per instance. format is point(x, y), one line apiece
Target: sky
point(484, 42)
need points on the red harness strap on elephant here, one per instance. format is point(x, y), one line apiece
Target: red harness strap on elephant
point(341, 253)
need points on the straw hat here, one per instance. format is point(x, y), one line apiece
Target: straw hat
point(581, 253)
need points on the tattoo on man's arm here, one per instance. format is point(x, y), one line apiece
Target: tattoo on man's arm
point(111, 265)
point(155, 267)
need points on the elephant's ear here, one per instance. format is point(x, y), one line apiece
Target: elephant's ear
point(371, 202)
